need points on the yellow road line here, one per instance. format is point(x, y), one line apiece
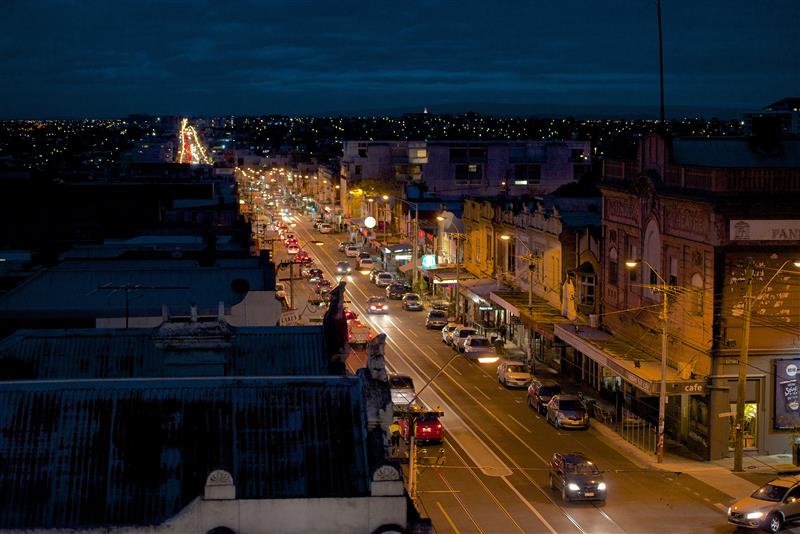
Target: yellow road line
point(446, 516)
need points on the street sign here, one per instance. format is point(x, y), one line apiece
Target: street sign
point(429, 261)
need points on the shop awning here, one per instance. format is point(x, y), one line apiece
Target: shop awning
point(397, 247)
point(449, 275)
point(539, 316)
point(623, 358)
point(357, 221)
point(409, 266)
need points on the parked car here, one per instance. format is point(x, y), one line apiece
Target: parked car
point(343, 267)
point(325, 228)
point(377, 305)
point(567, 411)
point(412, 302)
point(577, 477)
point(440, 304)
point(396, 290)
point(401, 388)
point(358, 333)
point(384, 279)
point(351, 251)
point(540, 392)
point(770, 506)
point(436, 319)
point(374, 273)
point(447, 332)
point(343, 245)
point(460, 335)
point(513, 374)
point(365, 263)
point(428, 428)
point(364, 255)
point(479, 348)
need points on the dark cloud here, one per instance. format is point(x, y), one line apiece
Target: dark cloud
point(94, 57)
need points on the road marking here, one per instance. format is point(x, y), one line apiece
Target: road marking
point(528, 430)
point(482, 393)
point(456, 370)
point(722, 508)
point(447, 516)
point(530, 506)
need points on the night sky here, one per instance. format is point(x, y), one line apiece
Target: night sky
point(86, 58)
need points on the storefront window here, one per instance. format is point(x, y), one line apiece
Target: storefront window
point(750, 426)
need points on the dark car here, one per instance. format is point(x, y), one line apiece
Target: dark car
point(315, 275)
point(577, 477)
point(540, 392)
point(412, 302)
point(396, 291)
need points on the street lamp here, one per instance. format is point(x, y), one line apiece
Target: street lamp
point(440, 248)
point(662, 397)
point(744, 356)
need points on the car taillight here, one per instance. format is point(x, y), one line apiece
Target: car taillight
point(349, 336)
point(369, 336)
point(439, 425)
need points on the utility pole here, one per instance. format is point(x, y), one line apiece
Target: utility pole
point(459, 237)
point(662, 397)
point(127, 288)
point(660, 59)
point(743, 364)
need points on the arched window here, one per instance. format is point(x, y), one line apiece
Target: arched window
point(652, 254)
point(613, 267)
point(698, 294)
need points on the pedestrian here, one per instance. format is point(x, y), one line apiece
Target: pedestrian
point(394, 431)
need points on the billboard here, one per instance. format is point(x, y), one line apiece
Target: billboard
point(787, 400)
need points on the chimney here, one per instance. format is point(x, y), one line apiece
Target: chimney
point(221, 311)
point(194, 312)
point(164, 313)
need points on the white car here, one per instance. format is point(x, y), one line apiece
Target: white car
point(365, 263)
point(447, 332)
point(351, 251)
point(293, 249)
point(479, 348)
point(513, 374)
point(377, 305)
point(383, 279)
point(402, 389)
point(325, 228)
point(460, 335)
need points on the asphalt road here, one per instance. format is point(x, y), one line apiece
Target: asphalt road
point(491, 475)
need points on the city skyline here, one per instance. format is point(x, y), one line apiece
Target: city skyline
point(90, 59)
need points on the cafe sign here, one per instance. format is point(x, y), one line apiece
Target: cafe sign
point(765, 230)
point(786, 398)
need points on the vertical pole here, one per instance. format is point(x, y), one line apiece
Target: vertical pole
point(291, 285)
point(416, 245)
point(662, 397)
point(412, 462)
point(530, 282)
point(458, 273)
point(660, 60)
point(741, 389)
point(127, 308)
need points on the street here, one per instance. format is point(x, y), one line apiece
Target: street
point(493, 475)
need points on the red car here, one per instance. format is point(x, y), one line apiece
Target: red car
point(349, 315)
point(302, 257)
point(428, 428)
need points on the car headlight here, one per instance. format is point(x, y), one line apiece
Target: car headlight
point(573, 487)
point(601, 486)
point(755, 515)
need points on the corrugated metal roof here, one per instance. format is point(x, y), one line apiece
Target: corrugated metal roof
point(132, 353)
point(74, 287)
point(133, 452)
point(734, 152)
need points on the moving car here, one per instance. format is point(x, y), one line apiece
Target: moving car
point(377, 305)
point(396, 290)
point(303, 257)
point(436, 319)
point(351, 251)
point(479, 348)
point(315, 275)
point(293, 249)
point(323, 285)
point(447, 332)
point(460, 336)
point(577, 477)
point(540, 392)
point(412, 302)
point(770, 506)
point(358, 334)
point(343, 267)
point(567, 411)
point(428, 428)
point(350, 315)
point(401, 388)
point(325, 228)
point(513, 374)
point(384, 279)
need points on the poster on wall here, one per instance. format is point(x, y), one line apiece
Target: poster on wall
point(787, 400)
